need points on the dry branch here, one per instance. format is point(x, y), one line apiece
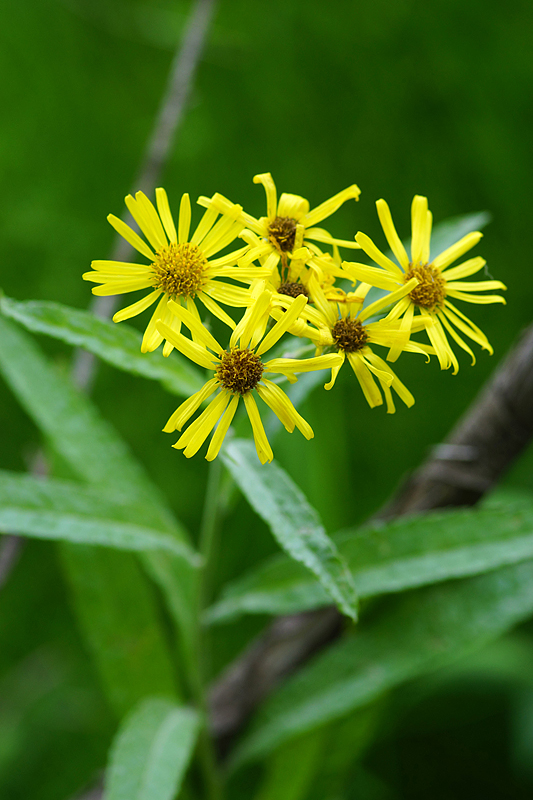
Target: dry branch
point(492, 433)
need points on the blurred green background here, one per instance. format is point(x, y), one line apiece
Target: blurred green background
point(398, 96)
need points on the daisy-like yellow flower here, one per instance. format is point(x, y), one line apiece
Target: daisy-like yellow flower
point(438, 282)
point(181, 268)
point(239, 372)
point(288, 225)
point(350, 332)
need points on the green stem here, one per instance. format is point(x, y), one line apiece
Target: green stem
point(207, 547)
point(208, 529)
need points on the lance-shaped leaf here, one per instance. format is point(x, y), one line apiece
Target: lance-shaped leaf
point(152, 751)
point(392, 557)
point(120, 623)
point(293, 521)
point(414, 634)
point(71, 512)
point(73, 426)
point(119, 345)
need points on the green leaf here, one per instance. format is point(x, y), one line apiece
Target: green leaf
point(96, 453)
point(415, 634)
point(73, 426)
point(292, 769)
point(120, 623)
point(384, 558)
point(294, 523)
point(119, 345)
point(51, 509)
point(152, 751)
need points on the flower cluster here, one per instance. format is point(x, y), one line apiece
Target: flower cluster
point(289, 277)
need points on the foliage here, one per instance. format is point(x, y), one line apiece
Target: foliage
point(112, 624)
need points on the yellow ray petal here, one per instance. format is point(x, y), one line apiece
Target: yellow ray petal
point(282, 326)
point(120, 268)
point(174, 323)
point(455, 336)
point(366, 380)
point(292, 205)
point(230, 260)
point(124, 278)
point(391, 408)
point(152, 338)
point(136, 308)
point(391, 235)
point(253, 322)
point(143, 221)
point(327, 309)
point(264, 451)
point(120, 288)
point(189, 406)
point(385, 376)
point(199, 430)
point(283, 408)
point(164, 212)
point(481, 299)
point(265, 392)
point(222, 429)
point(376, 255)
point(464, 270)
point(456, 250)
point(474, 286)
point(292, 365)
point(222, 234)
point(230, 295)
point(195, 325)
point(388, 300)
point(320, 235)
point(401, 390)
point(419, 220)
point(335, 371)
point(130, 236)
point(215, 309)
point(184, 220)
point(194, 351)
point(467, 327)
point(152, 218)
point(328, 207)
point(204, 226)
point(372, 275)
point(442, 347)
point(265, 178)
point(406, 324)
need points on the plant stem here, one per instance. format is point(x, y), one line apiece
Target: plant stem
point(207, 544)
point(207, 548)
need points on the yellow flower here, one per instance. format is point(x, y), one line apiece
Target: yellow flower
point(351, 334)
point(437, 282)
point(181, 268)
point(287, 227)
point(239, 372)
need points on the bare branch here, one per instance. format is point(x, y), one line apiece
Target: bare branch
point(490, 436)
point(163, 136)
point(10, 550)
point(164, 133)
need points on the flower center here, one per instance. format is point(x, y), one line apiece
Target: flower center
point(239, 371)
point(431, 289)
point(349, 335)
point(282, 233)
point(178, 269)
point(293, 289)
